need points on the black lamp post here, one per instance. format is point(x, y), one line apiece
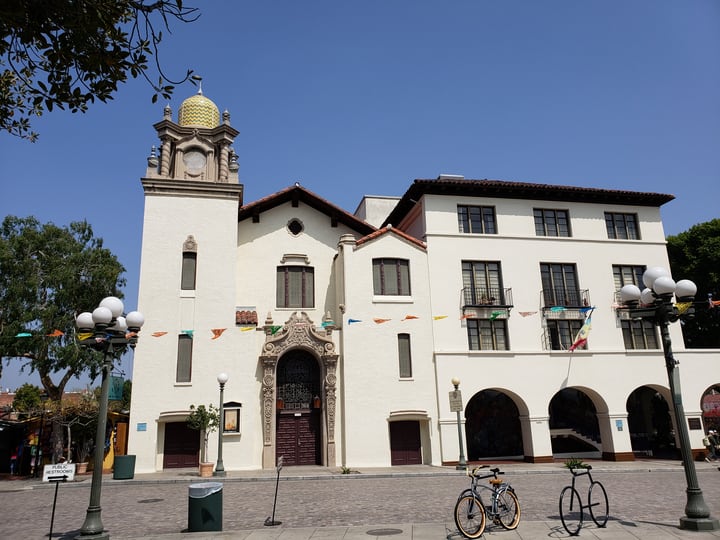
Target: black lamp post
point(655, 304)
point(222, 378)
point(107, 331)
point(457, 399)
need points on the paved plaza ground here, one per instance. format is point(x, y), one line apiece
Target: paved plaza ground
point(647, 498)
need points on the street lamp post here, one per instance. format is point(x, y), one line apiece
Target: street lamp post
point(456, 405)
point(655, 304)
point(222, 378)
point(107, 331)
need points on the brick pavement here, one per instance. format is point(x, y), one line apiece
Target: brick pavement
point(646, 501)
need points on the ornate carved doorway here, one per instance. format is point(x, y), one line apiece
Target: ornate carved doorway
point(298, 409)
point(299, 392)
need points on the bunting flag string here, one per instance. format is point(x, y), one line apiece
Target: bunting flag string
point(247, 328)
point(465, 316)
point(274, 329)
point(188, 332)
point(682, 307)
point(713, 303)
point(82, 336)
point(351, 321)
point(526, 313)
point(55, 333)
point(408, 317)
point(380, 321)
point(556, 309)
point(495, 314)
point(217, 332)
point(325, 324)
point(439, 317)
point(24, 334)
point(158, 334)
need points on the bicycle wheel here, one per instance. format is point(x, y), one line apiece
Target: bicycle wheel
point(469, 516)
point(598, 502)
point(508, 508)
point(571, 512)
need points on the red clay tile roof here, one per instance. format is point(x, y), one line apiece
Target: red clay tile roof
point(297, 194)
point(501, 189)
point(391, 230)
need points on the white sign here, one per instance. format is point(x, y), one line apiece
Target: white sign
point(456, 401)
point(57, 471)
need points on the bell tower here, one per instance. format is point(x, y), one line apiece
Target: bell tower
point(198, 148)
point(188, 267)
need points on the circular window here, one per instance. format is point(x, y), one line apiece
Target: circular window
point(295, 227)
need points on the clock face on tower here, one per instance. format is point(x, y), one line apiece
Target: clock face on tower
point(194, 161)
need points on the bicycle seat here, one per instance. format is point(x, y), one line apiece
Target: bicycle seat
point(495, 481)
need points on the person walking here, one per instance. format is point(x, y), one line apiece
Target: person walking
point(711, 442)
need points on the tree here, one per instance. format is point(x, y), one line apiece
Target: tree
point(68, 53)
point(695, 255)
point(206, 420)
point(27, 398)
point(47, 275)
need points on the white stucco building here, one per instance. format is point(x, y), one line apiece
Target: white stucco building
point(341, 332)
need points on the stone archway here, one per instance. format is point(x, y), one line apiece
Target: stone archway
point(298, 332)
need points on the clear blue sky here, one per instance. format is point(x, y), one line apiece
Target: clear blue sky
point(355, 98)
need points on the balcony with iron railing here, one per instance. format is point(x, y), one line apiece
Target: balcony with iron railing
point(567, 298)
point(487, 297)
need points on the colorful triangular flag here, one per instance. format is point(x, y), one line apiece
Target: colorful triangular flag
point(158, 334)
point(55, 333)
point(351, 321)
point(407, 317)
point(380, 321)
point(217, 332)
point(438, 317)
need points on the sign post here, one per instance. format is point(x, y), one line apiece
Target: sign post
point(56, 473)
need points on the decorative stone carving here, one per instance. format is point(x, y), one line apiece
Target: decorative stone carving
point(190, 244)
point(298, 332)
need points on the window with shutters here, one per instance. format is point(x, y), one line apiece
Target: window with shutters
point(295, 287)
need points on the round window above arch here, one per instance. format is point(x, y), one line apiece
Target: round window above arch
point(295, 226)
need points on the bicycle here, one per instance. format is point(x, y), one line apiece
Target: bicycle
point(571, 506)
point(471, 511)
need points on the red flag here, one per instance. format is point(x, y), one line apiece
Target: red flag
point(158, 334)
point(380, 321)
point(217, 332)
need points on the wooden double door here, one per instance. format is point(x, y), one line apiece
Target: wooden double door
point(298, 437)
point(405, 443)
point(182, 446)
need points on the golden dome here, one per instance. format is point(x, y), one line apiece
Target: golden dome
point(199, 111)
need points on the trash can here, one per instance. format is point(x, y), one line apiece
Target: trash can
point(205, 507)
point(124, 467)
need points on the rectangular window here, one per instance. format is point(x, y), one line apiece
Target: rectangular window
point(550, 222)
point(562, 333)
point(487, 335)
point(295, 287)
point(627, 275)
point(560, 285)
point(189, 269)
point(391, 277)
point(639, 335)
point(184, 359)
point(482, 283)
point(404, 356)
point(476, 219)
point(622, 226)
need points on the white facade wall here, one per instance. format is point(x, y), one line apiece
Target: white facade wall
point(373, 392)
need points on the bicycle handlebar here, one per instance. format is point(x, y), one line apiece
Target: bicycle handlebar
point(475, 472)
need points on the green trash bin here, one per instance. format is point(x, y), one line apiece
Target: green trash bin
point(205, 507)
point(124, 467)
